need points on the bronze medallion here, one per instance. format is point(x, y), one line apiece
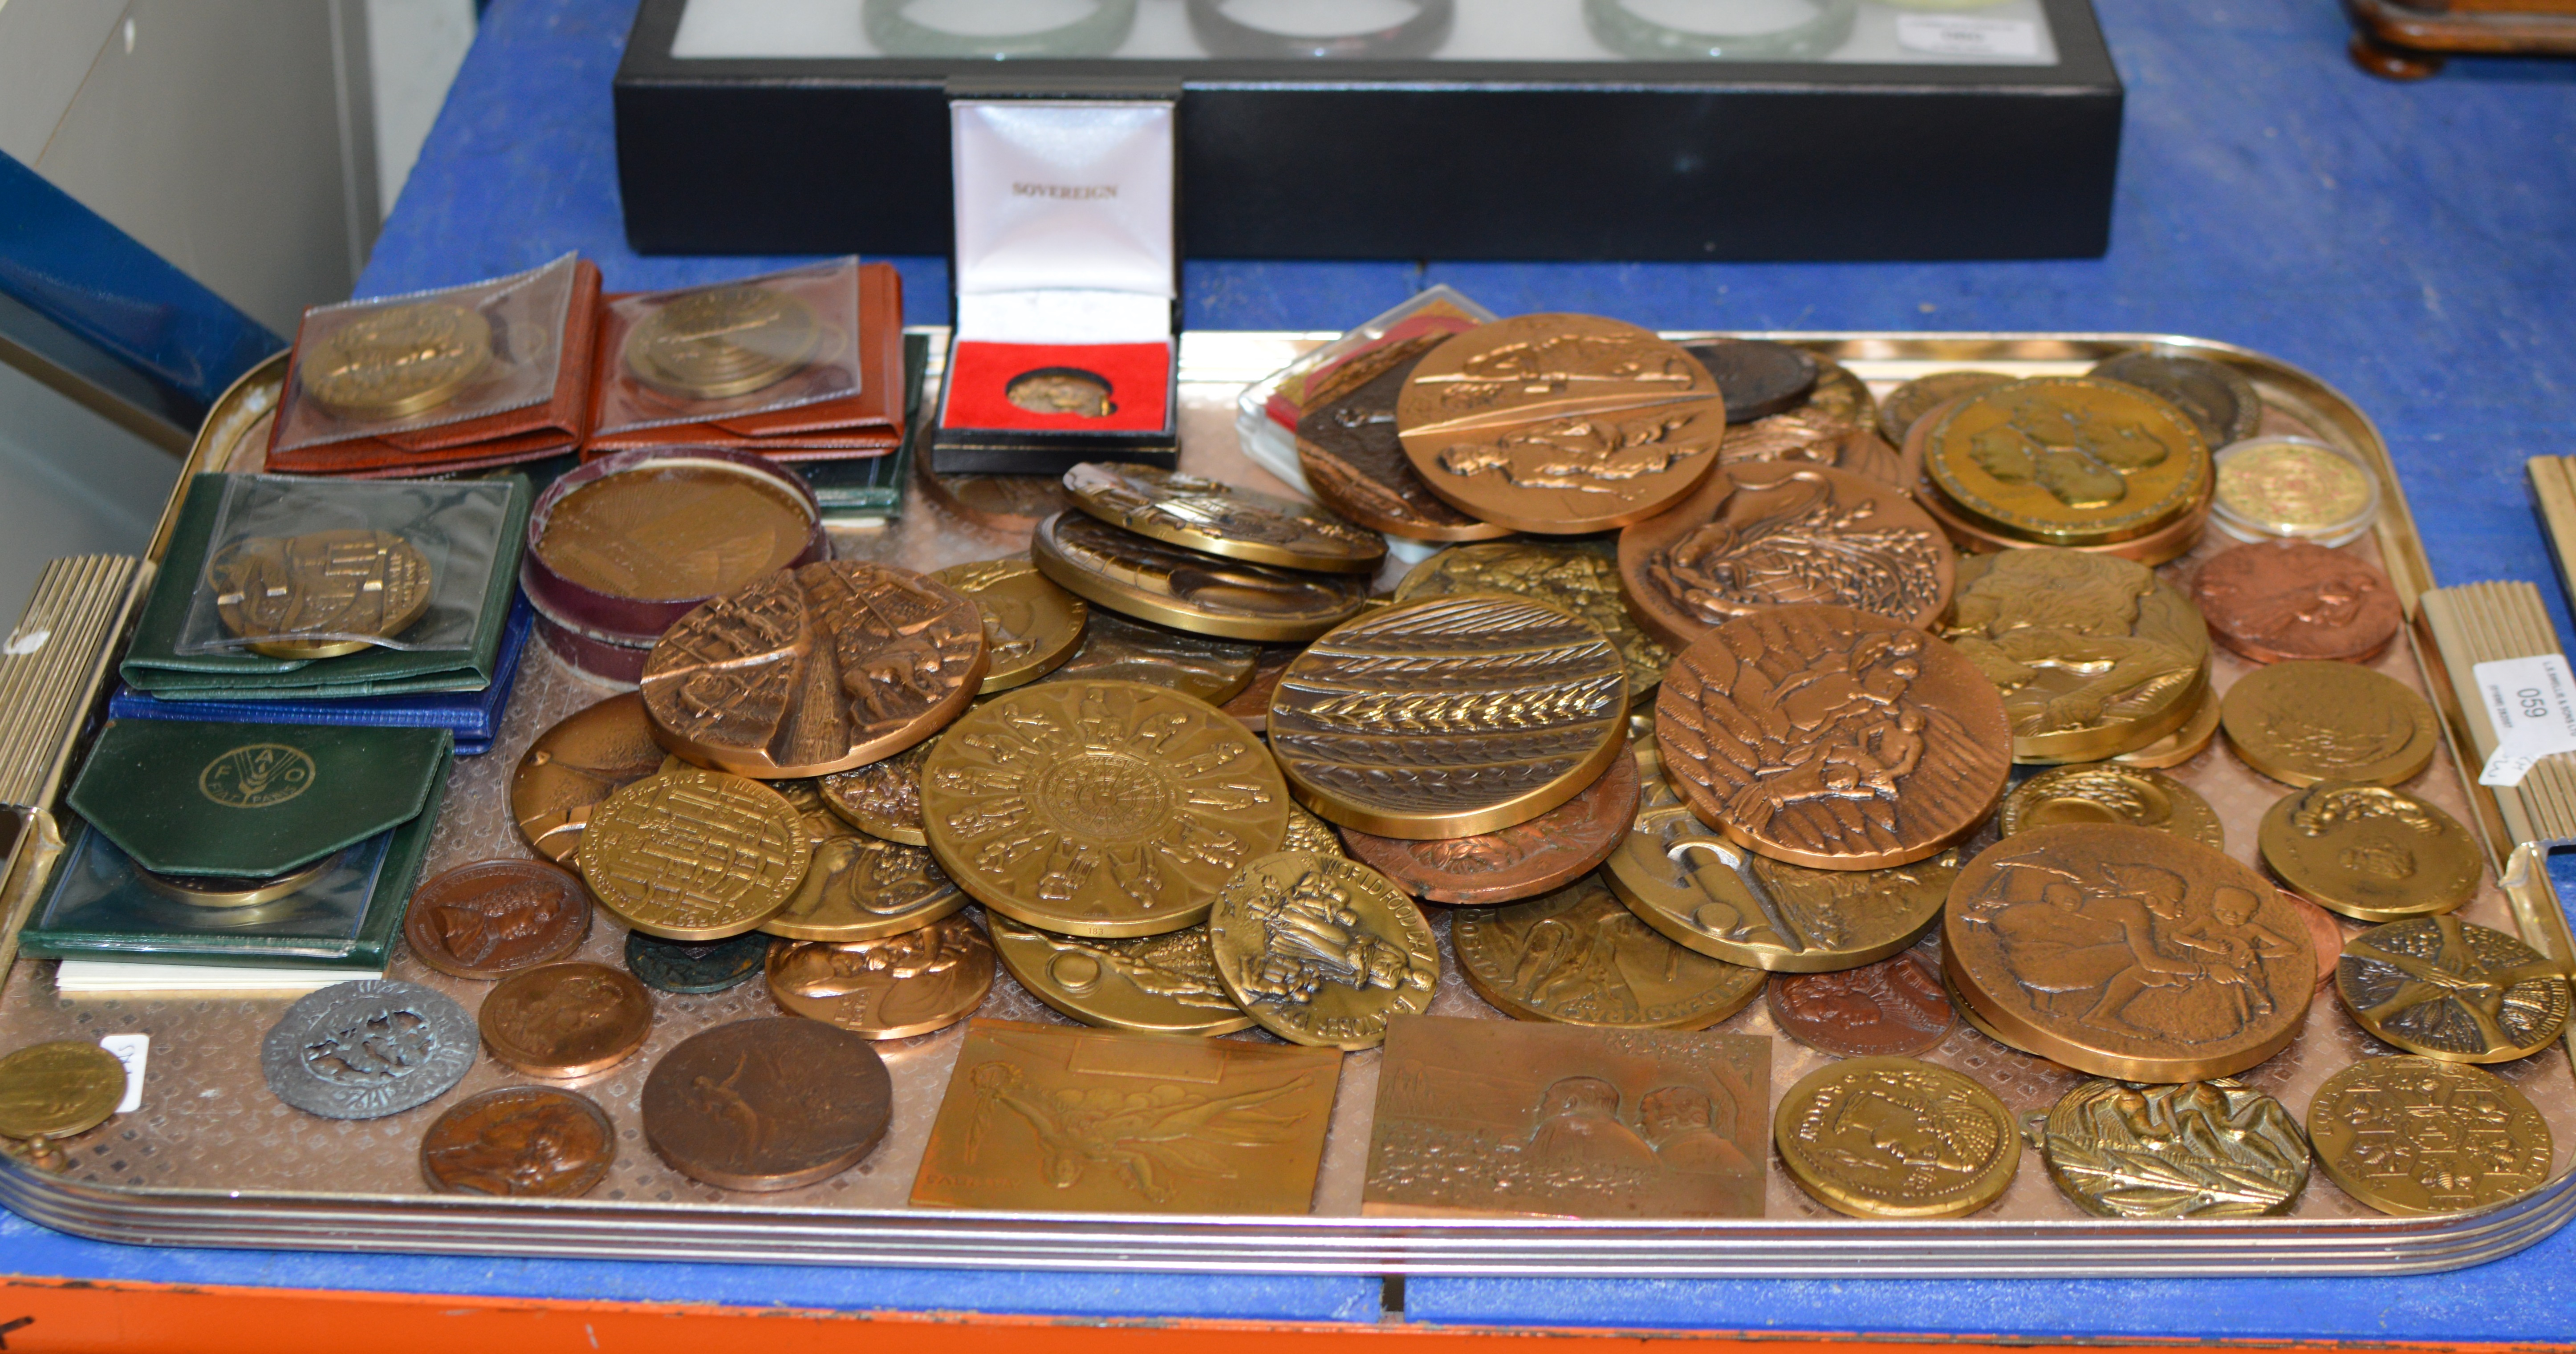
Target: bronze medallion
point(2453, 990)
point(1202, 594)
point(675, 529)
point(1322, 951)
point(323, 594)
point(1560, 424)
point(2166, 543)
point(2217, 398)
point(1757, 377)
point(815, 670)
point(1043, 1118)
point(1521, 861)
point(893, 987)
point(391, 362)
point(1116, 649)
point(1583, 579)
point(58, 1089)
point(1166, 984)
point(1832, 738)
point(2302, 722)
point(1811, 439)
point(767, 1105)
point(694, 855)
point(495, 917)
point(862, 888)
point(566, 1020)
point(882, 799)
point(1906, 405)
point(1778, 535)
point(2417, 1136)
point(2371, 853)
point(2066, 460)
point(1577, 957)
point(520, 1142)
point(1896, 1138)
point(2296, 599)
point(1353, 460)
point(1450, 716)
point(1311, 834)
point(1252, 704)
point(1010, 504)
point(718, 342)
point(1062, 390)
point(2198, 731)
point(1100, 808)
point(2094, 655)
point(1496, 1118)
point(2201, 1149)
point(1891, 1009)
point(1205, 515)
point(2104, 792)
point(2128, 952)
point(587, 756)
point(1031, 626)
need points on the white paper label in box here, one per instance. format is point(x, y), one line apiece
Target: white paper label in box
point(2532, 704)
point(133, 1050)
point(1961, 35)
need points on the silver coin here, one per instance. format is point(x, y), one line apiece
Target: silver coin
point(367, 1049)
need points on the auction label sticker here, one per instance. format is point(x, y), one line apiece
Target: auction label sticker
point(2532, 704)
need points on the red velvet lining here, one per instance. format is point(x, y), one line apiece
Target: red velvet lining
point(1139, 376)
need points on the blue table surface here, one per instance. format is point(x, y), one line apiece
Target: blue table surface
point(2415, 245)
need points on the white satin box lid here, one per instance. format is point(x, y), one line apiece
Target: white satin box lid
point(1064, 220)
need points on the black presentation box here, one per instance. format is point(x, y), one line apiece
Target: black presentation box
point(778, 136)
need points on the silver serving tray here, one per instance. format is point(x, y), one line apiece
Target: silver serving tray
point(212, 1159)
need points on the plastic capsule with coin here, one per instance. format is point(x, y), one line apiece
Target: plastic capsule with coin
point(2294, 488)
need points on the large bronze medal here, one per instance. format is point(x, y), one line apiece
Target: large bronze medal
point(1202, 514)
point(2094, 655)
point(1577, 957)
point(1322, 951)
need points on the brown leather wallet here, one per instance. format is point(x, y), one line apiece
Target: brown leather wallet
point(527, 434)
point(869, 423)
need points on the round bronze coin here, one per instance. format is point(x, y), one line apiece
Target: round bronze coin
point(2065, 460)
point(1203, 594)
point(2171, 541)
point(1322, 951)
point(2201, 1149)
point(391, 362)
point(587, 756)
point(1010, 504)
point(893, 987)
point(1166, 984)
point(695, 855)
point(2273, 600)
point(882, 799)
point(1756, 536)
point(1450, 716)
point(55, 1090)
point(1355, 463)
point(1577, 957)
point(2453, 990)
point(2301, 722)
point(1756, 377)
point(2371, 853)
point(495, 917)
point(861, 888)
point(323, 594)
point(1521, 861)
point(1583, 579)
point(2104, 792)
point(1907, 404)
point(527, 1142)
point(815, 670)
point(767, 1105)
point(1891, 1009)
point(1560, 424)
point(566, 1020)
point(1031, 626)
point(2218, 399)
point(1099, 808)
point(1116, 649)
point(2094, 655)
point(2416, 1136)
point(1896, 1138)
point(1196, 513)
point(722, 341)
point(2128, 952)
point(1832, 738)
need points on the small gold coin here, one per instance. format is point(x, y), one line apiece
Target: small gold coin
point(1202, 514)
point(1322, 951)
point(2415, 1136)
point(2370, 852)
point(2452, 990)
point(2305, 721)
point(1896, 1138)
point(2202, 1149)
point(396, 361)
point(2287, 486)
point(1099, 808)
point(1031, 626)
point(2066, 460)
point(718, 342)
point(1166, 984)
point(2094, 654)
point(1203, 594)
point(307, 596)
point(58, 1089)
point(1577, 957)
point(2104, 792)
point(1450, 716)
point(1583, 579)
point(694, 855)
point(1116, 649)
point(882, 799)
point(861, 888)
point(2192, 739)
point(893, 987)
